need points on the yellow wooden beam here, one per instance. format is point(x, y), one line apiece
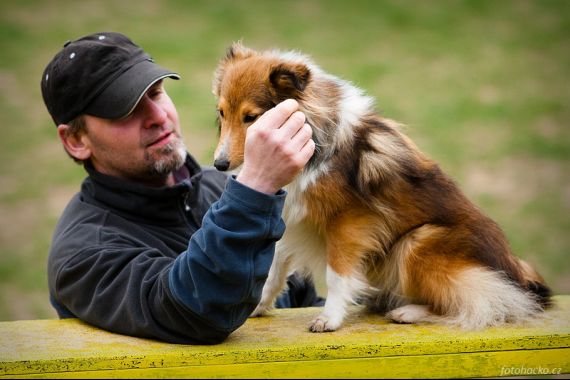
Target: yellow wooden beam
point(280, 346)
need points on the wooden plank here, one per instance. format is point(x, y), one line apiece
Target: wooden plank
point(486, 364)
point(281, 345)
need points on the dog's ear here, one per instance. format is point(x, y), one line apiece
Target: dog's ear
point(236, 51)
point(289, 80)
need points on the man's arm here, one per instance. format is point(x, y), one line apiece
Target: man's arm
point(200, 296)
point(236, 245)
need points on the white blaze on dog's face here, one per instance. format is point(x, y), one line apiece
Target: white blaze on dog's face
point(247, 84)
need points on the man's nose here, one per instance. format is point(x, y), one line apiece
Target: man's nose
point(154, 114)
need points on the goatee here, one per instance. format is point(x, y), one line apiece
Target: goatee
point(171, 157)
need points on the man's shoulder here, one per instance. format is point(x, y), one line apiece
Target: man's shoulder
point(79, 218)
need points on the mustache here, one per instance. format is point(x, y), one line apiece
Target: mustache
point(147, 141)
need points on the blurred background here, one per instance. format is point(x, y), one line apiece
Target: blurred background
point(483, 87)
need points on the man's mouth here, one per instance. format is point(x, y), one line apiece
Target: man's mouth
point(163, 139)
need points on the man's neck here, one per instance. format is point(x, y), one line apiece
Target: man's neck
point(169, 180)
point(152, 181)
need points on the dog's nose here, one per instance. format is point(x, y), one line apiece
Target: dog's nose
point(222, 164)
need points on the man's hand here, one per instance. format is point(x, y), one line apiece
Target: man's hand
point(277, 147)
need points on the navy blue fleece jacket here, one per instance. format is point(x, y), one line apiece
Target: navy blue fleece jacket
point(183, 264)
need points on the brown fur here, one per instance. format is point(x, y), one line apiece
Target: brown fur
point(382, 208)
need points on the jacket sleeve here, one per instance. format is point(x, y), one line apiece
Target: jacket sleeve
point(201, 296)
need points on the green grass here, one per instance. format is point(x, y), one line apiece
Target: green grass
point(483, 87)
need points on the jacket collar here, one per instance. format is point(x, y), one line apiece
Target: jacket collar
point(146, 204)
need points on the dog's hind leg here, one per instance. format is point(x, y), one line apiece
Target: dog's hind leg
point(444, 285)
point(411, 314)
point(494, 300)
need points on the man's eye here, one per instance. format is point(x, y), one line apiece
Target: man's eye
point(249, 118)
point(154, 93)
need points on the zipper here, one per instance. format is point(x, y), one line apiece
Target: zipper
point(188, 211)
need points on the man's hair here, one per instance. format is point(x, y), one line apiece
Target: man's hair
point(77, 127)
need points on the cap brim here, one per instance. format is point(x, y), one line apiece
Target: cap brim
point(121, 97)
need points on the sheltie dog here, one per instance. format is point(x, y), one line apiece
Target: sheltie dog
point(374, 213)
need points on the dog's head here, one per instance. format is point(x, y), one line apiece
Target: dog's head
point(247, 83)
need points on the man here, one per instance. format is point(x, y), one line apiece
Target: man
point(154, 245)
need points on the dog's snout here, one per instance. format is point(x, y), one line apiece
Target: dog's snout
point(222, 164)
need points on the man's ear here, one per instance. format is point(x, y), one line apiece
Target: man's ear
point(289, 80)
point(75, 144)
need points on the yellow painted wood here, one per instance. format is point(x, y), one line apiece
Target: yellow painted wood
point(281, 346)
point(532, 362)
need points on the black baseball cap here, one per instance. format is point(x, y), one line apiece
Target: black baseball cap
point(102, 74)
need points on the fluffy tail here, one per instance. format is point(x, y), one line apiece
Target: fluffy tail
point(486, 298)
point(477, 298)
point(536, 284)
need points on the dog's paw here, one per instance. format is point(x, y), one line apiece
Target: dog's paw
point(409, 314)
point(260, 311)
point(323, 324)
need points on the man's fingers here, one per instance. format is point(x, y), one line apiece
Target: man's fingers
point(293, 125)
point(308, 150)
point(302, 136)
point(275, 117)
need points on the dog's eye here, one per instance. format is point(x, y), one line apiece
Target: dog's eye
point(221, 112)
point(249, 118)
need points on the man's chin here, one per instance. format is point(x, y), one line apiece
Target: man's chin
point(169, 158)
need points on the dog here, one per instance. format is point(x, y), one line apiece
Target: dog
point(388, 227)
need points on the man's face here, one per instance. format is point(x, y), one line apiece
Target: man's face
point(146, 146)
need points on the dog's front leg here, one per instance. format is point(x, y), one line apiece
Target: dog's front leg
point(341, 292)
point(348, 238)
point(275, 284)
